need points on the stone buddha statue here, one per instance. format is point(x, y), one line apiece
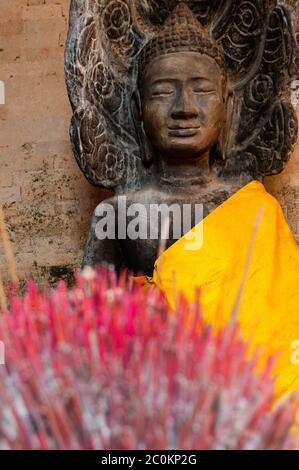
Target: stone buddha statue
point(179, 107)
point(200, 114)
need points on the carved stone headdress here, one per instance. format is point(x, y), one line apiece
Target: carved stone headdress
point(180, 32)
point(106, 39)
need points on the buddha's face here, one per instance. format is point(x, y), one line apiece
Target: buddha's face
point(182, 102)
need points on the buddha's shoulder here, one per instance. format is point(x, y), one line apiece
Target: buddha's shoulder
point(143, 196)
point(121, 201)
point(255, 195)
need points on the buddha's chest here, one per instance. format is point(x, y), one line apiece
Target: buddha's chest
point(147, 228)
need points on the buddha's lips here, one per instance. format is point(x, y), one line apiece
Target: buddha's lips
point(183, 131)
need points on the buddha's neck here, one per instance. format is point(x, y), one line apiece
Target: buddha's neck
point(184, 174)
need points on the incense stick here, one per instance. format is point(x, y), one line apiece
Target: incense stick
point(3, 300)
point(8, 251)
point(238, 301)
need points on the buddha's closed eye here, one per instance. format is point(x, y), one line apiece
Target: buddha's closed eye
point(162, 93)
point(165, 92)
point(204, 91)
point(162, 90)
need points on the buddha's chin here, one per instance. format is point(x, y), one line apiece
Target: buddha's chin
point(185, 148)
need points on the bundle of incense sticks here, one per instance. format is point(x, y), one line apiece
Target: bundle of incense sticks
point(107, 365)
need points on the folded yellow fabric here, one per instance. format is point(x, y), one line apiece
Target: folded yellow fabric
point(248, 266)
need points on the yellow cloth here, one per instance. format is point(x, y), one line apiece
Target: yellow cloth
point(248, 253)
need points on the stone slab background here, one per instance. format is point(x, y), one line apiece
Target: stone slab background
point(47, 201)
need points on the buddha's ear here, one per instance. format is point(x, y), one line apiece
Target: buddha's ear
point(218, 153)
point(225, 137)
point(144, 145)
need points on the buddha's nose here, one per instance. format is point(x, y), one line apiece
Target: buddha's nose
point(184, 106)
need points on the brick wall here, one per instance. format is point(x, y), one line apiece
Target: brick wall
point(47, 201)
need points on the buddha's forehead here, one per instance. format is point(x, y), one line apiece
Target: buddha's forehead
point(183, 66)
